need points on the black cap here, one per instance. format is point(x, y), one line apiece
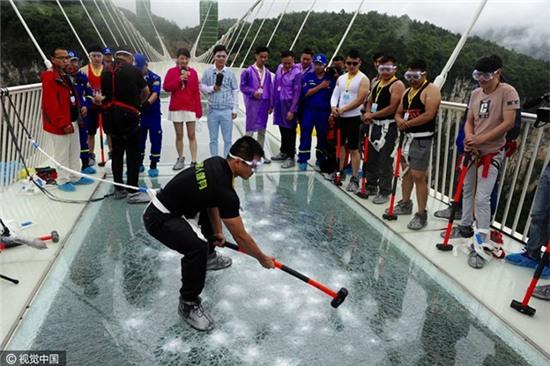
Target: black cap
point(488, 63)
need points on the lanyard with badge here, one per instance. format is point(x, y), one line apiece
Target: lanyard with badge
point(378, 90)
point(410, 99)
point(347, 96)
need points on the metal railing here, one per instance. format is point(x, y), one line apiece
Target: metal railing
point(516, 187)
point(27, 102)
point(518, 176)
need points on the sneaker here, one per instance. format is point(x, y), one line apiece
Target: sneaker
point(419, 221)
point(402, 208)
point(67, 187)
point(119, 194)
point(83, 181)
point(302, 166)
point(372, 190)
point(288, 163)
point(141, 168)
point(279, 157)
point(217, 261)
point(459, 231)
point(180, 164)
point(446, 214)
point(542, 292)
point(91, 160)
point(353, 185)
point(267, 160)
point(193, 164)
point(475, 260)
point(138, 197)
point(380, 198)
point(89, 170)
point(194, 314)
point(153, 172)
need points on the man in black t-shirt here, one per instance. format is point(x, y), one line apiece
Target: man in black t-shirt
point(124, 90)
point(205, 190)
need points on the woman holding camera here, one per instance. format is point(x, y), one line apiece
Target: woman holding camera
point(182, 82)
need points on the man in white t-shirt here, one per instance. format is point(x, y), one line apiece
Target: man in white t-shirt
point(351, 91)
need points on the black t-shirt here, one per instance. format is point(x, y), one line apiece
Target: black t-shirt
point(208, 184)
point(128, 84)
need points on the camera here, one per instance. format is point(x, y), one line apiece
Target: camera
point(219, 79)
point(332, 72)
point(543, 112)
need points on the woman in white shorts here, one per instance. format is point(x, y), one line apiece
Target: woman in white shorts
point(182, 82)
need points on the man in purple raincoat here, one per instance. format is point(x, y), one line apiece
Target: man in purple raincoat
point(287, 87)
point(257, 89)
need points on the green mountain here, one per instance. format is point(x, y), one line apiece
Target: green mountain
point(402, 37)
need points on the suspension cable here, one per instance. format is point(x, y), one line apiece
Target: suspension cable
point(93, 24)
point(195, 45)
point(123, 40)
point(47, 62)
point(256, 35)
point(302, 26)
point(247, 32)
point(278, 23)
point(74, 30)
point(106, 23)
point(442, 77)
point(346, 32)
point(165, 52)
point(120, 17)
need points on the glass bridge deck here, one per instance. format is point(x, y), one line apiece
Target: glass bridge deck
point(111, 297)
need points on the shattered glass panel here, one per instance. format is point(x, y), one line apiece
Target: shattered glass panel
point(117, 303)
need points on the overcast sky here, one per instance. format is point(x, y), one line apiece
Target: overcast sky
point(532, 16)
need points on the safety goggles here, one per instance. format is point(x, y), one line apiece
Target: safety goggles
point(386, 68)
point(254, 164)
point(478, 75)
point(352, 63)
point(414, 75)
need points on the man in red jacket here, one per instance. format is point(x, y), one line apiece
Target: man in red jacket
point(60, 114)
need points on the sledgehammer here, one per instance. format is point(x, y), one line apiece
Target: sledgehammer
point(337, 297)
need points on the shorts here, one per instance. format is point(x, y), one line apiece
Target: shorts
point(182, 116)
point(349, 131)
point(91, 121)
point(419, 154)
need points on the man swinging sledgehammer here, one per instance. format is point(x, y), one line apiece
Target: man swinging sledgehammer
point(206, 190)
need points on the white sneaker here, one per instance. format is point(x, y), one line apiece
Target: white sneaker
point(180, 164)
point(194, 314)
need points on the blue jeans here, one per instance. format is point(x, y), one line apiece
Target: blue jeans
point(539, 232)
point(220, 118)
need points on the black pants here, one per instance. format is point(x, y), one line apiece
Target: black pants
point(380, 163)
point(177, 234)
point(127, 143)
point(288, 141)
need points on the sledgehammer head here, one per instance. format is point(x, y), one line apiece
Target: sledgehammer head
point(524, 309)
point(340, 297)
